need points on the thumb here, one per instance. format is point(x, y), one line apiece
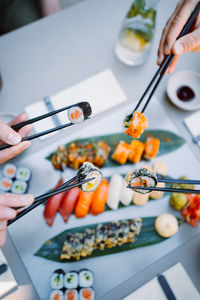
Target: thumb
point(8, 135)
point(187, 43)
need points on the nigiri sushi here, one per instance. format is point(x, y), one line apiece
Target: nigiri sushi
point(126, 195)
point(87, 171)
point(151, 148)
point(121, 153)
point(114, 191)
point(160, 167)
point(140, 199)
point(136, 151)
point(138, 124)
point(141, 178)
point(79, 112)
point(99, 198)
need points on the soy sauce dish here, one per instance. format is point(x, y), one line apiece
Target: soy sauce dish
point(183, 89)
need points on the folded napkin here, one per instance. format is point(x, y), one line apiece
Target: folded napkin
point(178, 280)
point(7, 280)
point(102, 91)
point(193, 124)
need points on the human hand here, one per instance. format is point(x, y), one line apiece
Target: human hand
point(7, 202)
point(11, 137)
point(187, 43)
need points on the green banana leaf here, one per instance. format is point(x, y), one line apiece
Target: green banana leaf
point(169, 142)
point(52, 248)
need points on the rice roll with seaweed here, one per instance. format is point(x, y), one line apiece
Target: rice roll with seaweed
point(86, 294)
point(56, 295)
point(71, 280)
point(9, 170)
point(71, 295)
point(87, 171)
point(5, 184)
point(86, 278)
point(23, 174)
point(57, 279)
point(79, 112)
point(19, 187)
point(141, 178)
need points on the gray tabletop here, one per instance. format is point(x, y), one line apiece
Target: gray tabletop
point(54, 53)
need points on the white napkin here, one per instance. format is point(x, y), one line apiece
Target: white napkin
point(7, 280)
point(193, 124)
point(178, 280)
point(102, 91)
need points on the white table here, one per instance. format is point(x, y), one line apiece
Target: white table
point(56, 52)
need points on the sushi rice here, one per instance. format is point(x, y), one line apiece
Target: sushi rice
point(56, 295)
point(126, 195)
point(86, 294)
point(86, 278)
point(57, 279)
point(6, 184)
point(9, 170)
point(71, 280)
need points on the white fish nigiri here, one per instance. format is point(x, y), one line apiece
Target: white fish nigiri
point(126, 194)
point(114, 191)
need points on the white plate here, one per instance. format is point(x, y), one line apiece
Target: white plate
point(190, 79)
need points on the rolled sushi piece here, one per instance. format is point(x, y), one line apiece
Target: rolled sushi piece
point(57, 279)
point(71, 295)
point(6, 184)
point(56, 295)
point(141, 178)
point(9, 170)
point(23, 174)
point(71, 280)
point(86, 278)
point(87, 171)
point(19, 187)
point(114, 191)
point(86, 294)
point(79, 112)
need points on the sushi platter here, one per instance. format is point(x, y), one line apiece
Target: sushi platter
point(45, 238)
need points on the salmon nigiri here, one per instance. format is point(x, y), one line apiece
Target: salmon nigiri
point(99, 198)
point(138, 124)
point(83, 204)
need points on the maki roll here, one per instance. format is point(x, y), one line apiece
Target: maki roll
point(86, 278)
point(87, 171)
point(100, 236)
point(71, 280)
point(5, 184)
point(137, 126)
point(88, 242)
point(151, 148)
point(19, 187)
point(71, 295)
point(9, 170)
point(23, 174)
point(113, 234)
point(86, 294)
point(57, 279)
point(141, 178)
point(136, 151)
point(121, 153)
point(79, 112)
point(56, 295)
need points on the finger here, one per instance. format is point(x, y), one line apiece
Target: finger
point(172, 66)
point(2, 236)
point(13, 200)
point(21, 118)
point(13, 151)
point(7, 213)
point(3, 225)
point(177, 24)
point(187, 43)
point(24, 131)
point(8, 135)
point(161, 54)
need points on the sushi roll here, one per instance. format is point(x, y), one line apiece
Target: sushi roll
point(135, 226)
point(71, 280)
point(57, 279)
point(123, 232)
point(5, 184)
point(86, 278)
point(136, 151)
point(56, 295)
point(9, 170)
point(121, 153)
point(141, 178)
point(19, 187)
point(114, 191)
point(113, 234)
point(71, 295)
point(137, 126)
point(151, 148)
point(100, 236)
point(87, 171)
point(23, 174)
point(88, 242)
point(79, 112)
point(86, 294)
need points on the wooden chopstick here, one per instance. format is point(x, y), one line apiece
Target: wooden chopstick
point(182, 181)
point(40, 199)
point(36, 119)
point(164, 66)
point(169, 190)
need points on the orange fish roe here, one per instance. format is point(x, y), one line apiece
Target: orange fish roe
point(138, 124)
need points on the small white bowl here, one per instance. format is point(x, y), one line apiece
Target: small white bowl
point(184, 78)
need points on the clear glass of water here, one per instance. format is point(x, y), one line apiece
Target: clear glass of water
point(136, 34)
